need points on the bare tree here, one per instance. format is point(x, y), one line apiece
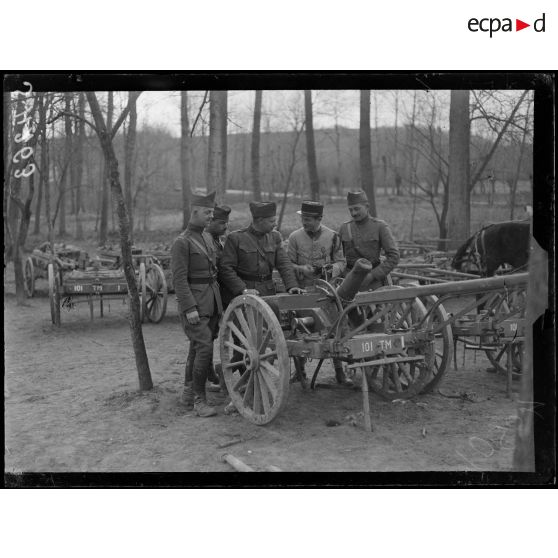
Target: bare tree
point(129, 148)
point(105, 137)
point(255, 152)
point(310, 147)
point(498, 123)
point(21, 169)
point(515, 178)
point(459, 139)
point(366, 175)
point(216, 180)
point(287, 177)
point(185, 156)
point(78, 153)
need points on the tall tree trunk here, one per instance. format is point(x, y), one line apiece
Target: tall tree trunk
point(142, 363)
point(42, 132)
point(129, 157)
point(255, 153)
point(397, 174)
point(6, 109)
point(310, 147)
point(19, 211)
point(223, 119)
point(459, 138)
point(366, 175)
point(515, 179)
point(78, 152)
point(103, 227)
point(185, 159)
point(217, 126)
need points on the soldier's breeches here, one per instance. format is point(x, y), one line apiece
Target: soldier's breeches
point(200, 355)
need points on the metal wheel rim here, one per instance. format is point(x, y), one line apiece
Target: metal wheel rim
point(443, 345)
point(29, 277)
point(142, 292)
point(261, 391)
point(54, 295)
point(406, 379)
point(154, 292)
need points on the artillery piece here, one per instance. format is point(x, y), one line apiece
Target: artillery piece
point(401, 345)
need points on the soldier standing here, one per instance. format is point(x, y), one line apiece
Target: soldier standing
point(194, 271)
point(217, 229)
point(365, 236)
point(316, 252)
point(250, 255)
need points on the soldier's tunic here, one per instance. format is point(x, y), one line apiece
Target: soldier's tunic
point(194, 271)
point(248, 260)
point(366, 239)
point(318, 249)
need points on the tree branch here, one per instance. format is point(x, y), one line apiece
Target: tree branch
point(131, 99)
point(199, 113)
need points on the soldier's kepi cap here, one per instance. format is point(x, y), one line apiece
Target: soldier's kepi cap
point(221, 213)
point(263, 209)
point(355, 198)
point(311, 208)
point(204, 201)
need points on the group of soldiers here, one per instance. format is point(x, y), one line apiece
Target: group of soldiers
point(210, 269)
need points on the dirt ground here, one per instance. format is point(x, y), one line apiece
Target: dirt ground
point(72, 404)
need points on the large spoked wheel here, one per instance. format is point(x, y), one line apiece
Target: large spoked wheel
point(406, 373)
point(254, 358)
point(29, 277)
point(443, 344)
point(499, 303)
point(153, 292)
point(54, 295)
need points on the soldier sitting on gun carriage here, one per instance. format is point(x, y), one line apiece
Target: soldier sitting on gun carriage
point(365, 236)
point(316, 253)
point(315, 249)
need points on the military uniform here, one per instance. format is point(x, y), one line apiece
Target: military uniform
point(194, 270)
point(249, 258)
point(366, 239)
point(318, 249)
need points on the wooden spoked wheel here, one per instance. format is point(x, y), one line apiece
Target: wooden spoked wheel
point(443, 344)
point(254, 359)
point(29, 277)
point(498, 304)
point(403, 375)
point(54, 294)
point(153, 292)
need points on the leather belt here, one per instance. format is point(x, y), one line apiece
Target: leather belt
point(254, 277)
point(202, 280)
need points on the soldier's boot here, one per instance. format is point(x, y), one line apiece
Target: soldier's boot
point(202, 409)
point(213, 380)
point(187, 396)
point(341, 377)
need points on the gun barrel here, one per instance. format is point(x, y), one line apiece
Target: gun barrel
point(473, 286)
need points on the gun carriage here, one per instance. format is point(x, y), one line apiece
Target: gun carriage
point(64, 258)
point(102, 279)
point(399, 338)
point(152, 279)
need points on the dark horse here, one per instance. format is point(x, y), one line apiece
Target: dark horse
point(493, 246)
